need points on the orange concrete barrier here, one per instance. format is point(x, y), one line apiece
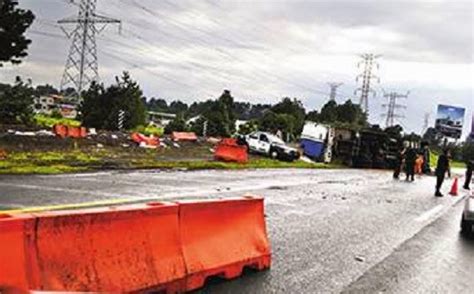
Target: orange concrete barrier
point(184, 136)
point(131, 248)
point(229, 150)
point(158, 247)
point(3, 154)
point(140, 138)
point(13, 257)
point(68, 131)
point(220, 238)
point(60, 130)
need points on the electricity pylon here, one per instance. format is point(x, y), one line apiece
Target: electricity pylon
point(368, 62)
point(392, 106)
point(333, 93)
point(81, 65)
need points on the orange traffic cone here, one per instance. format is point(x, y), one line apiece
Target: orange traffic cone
point(454, 188)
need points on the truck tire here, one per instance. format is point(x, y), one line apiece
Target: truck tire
point(466, 228)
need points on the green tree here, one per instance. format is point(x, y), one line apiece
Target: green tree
point(16, 103)
point(43, 90)
point(248, 127)
point(313, 116)
point(177, 107)
point(290, 112)
point(13, 24)
point(101, 107)
point(178, 124)
point(468, 151)
point(217, 114)
point(329, 112)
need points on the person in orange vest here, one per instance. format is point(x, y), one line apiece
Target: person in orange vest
point(419, 164)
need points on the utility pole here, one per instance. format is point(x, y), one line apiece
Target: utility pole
point(368, 62)
point(392, 107)
point(81, 65)
point(333, 93)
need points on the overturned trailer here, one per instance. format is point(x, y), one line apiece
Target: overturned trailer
point(368, 148)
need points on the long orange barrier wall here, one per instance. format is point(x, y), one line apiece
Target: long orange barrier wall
point(172, 247)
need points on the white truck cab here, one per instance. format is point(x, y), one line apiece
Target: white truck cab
point(261, 142)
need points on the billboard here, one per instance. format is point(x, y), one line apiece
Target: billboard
point(449, 120)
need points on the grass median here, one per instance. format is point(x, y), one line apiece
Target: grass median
point(58, 162)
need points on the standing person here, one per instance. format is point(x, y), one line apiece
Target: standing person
point(398, 163)
point(426, 158)
point(470, 167)
point(441, 168)
point(419, 165)
point(410, 158)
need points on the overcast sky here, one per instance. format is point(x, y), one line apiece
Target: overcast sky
point(265, 50)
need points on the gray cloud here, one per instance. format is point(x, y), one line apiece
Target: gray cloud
point(263, 50)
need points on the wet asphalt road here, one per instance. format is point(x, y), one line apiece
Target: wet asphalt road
point(331, 230)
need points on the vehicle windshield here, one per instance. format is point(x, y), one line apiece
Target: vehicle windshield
point(275, 140)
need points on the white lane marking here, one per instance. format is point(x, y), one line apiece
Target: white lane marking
point(430, 213)
point(79, 175)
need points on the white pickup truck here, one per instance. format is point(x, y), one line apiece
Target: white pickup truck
point(271, 145)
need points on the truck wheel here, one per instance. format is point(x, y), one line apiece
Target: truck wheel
point(273, 154)
point(466, 228)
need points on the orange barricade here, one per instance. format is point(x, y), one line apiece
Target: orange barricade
point(159, 247)
point(73, 132)
point(83, 132)
point(13, 257)
point(68, 131)
point(229, 150)
point(139, 138)
point(220, 238)
point(183, 136)
point(60, 130)
point(131, 248)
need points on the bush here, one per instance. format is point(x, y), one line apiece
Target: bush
point(149, 130)
point(177, 125)
point(45, 121)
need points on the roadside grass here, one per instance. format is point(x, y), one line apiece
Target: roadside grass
point(78, 161)
point(149, 130)
point(454, 164)
point(46, 162)
point(263, 163)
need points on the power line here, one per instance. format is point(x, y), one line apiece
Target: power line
point(369, 62)
point(81, 65)
point(186, 27)
point(392, 107)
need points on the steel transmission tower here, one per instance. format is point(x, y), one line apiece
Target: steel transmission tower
point(368, 62)
point(333, 93)
point(81, 64)
point(426, 123)
point(392, 107)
